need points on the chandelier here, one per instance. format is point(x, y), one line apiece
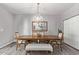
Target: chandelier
point(38, 17)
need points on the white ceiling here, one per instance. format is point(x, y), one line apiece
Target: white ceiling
point(44, 8)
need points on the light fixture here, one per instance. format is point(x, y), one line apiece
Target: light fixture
point(38, 17)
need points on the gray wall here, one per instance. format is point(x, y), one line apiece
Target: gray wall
point(71, 12)
point(71, 28)
point(6, 27)
point(24, 24)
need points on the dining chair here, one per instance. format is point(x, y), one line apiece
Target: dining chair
point(57, 43)
point(60, 42)
point(19, 42)
point(39, 34)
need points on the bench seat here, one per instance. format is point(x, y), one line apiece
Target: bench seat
point(39, 47)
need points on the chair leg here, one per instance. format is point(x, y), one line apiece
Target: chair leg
point(53, 48)
point(24, 45)
point(17, 46)
point(61, 47)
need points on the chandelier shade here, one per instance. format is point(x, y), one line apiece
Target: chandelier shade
point(38, 17)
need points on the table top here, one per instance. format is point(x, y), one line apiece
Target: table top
point(44, 37)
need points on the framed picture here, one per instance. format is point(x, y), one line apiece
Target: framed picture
point(39, 26)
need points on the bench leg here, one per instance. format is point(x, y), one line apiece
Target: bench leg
point(27, 53)
point(51, 52)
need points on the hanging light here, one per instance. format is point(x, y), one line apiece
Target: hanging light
point(38, 17)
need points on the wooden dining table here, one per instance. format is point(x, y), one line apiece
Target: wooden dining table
point(39, 38)
point(44, 37)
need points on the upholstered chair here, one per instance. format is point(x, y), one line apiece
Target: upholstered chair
point(18, 42)
point(57, 43)
point(60, 42)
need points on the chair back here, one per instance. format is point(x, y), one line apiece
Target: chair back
point(60, 35)
point(17, 34)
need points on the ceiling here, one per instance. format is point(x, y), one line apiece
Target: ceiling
point(31, 8)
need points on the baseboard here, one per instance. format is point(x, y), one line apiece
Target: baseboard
point(7, 43)
point(72, 46)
